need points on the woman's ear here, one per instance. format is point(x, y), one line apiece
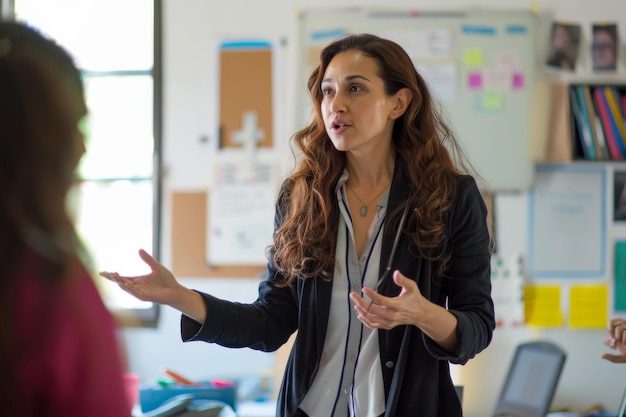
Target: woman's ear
point(403, 98)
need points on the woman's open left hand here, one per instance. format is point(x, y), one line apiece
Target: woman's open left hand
point(381, 312)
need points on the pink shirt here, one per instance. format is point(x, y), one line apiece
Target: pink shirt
point(69, 361)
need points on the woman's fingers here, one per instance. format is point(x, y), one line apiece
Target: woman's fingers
point(111, 276)
point(148, 259)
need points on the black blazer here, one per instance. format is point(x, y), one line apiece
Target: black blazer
point(415, 369)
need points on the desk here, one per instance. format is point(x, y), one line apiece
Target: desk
point(256, 409)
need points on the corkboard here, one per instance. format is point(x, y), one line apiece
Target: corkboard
point(189, 242)
point(245, 85)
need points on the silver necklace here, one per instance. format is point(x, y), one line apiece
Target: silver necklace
point(363, 209)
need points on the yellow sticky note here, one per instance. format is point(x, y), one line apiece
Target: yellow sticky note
point(473, 58)
point(588, 306)
point(492, 100)
point(542, 305)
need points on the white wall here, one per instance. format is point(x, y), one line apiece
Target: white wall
point(190, 28)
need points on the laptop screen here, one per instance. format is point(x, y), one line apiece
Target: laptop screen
point(531, 381)
point(536, 372)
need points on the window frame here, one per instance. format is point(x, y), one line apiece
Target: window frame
point(137, 317)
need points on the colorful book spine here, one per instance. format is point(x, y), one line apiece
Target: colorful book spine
point(594, 123)
point(601, 138)
point(584, 132)
point(613, 100)
point(603, 111)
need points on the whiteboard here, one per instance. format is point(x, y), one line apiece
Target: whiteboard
point(479, 64)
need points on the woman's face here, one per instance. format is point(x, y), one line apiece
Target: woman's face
point(73, 110)
point(357, 112)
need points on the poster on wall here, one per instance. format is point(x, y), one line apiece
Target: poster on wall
point(243, 91)
point(567, 222)
point(240, 214)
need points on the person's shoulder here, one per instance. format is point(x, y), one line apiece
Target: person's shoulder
point(465, 183)
point(467, 192)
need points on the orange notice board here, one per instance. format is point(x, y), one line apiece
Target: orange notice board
point(189, 225)
point(245, 86)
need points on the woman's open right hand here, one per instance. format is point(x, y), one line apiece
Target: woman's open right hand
point(159, 285)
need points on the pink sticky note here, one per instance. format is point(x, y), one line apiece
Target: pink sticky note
point(518, 80)
point(475, 80)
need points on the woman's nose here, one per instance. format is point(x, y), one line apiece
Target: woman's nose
point(337, 103)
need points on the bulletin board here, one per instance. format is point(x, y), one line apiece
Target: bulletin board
point(480, 65)
point(242, 90)
point(189, 245)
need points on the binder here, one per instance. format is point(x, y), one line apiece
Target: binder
point(613, 122)
point(613, 100)
point(601, 138)
point(605, 117)
point(561, 143)
point(620, 276)
point(602, 150)
point(584, 130)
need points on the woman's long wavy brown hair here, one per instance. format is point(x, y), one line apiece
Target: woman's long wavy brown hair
point(426, 152)
point(37, 161)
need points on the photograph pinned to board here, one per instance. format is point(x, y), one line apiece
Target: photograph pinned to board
point(564, 46)
point(567, 222)
point(604, 47)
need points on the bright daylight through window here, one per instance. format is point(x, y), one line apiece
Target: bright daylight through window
point(117, 200)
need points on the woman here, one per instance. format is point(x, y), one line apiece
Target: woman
point(375, 192)
point(57, 339)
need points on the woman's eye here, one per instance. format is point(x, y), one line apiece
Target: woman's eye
point(355, 88)
point(326, 91)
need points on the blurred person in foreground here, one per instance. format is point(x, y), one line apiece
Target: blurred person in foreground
point(59, 353)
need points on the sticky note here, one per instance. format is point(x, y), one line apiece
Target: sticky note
point(473, 58)
point(542, 305)
point(496, 79)
point(492, 100)
point(518, 81)
point(508, 61)
point(588, 306)
point(475, 80)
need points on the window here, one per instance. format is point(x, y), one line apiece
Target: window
point(116, 44)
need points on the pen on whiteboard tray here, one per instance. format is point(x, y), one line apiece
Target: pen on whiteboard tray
point(180, 379)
